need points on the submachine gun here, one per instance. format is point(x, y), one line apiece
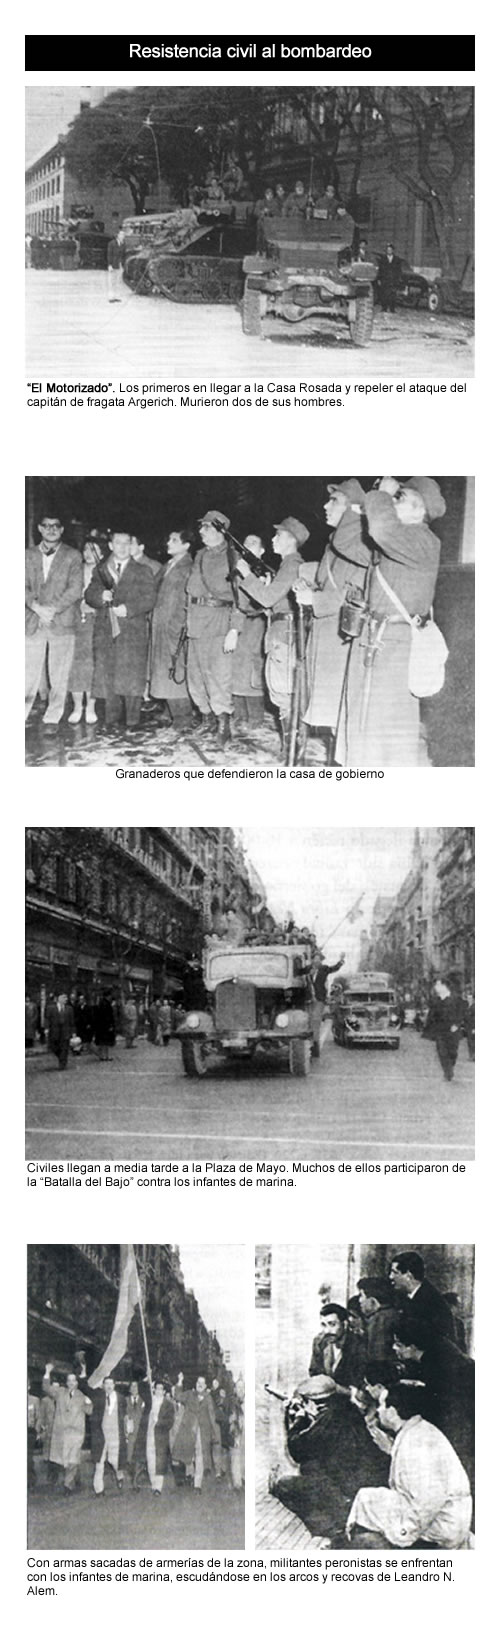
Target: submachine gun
point(308, 1414)
point(258, 565)
point(108, 584)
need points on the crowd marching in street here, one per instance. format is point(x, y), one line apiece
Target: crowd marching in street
point(150, 1433)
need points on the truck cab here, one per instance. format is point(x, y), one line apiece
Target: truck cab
point(258, 998)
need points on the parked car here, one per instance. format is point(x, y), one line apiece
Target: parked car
point(417, 291)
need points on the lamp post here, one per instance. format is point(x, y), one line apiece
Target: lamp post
point(148, 122)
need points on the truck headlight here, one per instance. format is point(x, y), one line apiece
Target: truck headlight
point(192, 1021)
point(282, 1020)
point(394, 1020)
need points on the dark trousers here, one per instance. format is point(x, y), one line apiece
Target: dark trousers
point(447, 1049)
point(61, 1050)
point(114, 706)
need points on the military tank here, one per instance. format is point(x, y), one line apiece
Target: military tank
point(190, 255)
point(307, 271)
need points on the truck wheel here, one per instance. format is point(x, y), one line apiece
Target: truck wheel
point(252, 311)
point(300, 1057)
point(361, 327)
point(194, 1059)
point(316, 1049)
point(434, 301)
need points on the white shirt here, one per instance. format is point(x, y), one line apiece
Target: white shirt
point(47, 560)
point(429, 1496)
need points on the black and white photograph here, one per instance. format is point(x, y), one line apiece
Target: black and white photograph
point(261, 621)
point(365, 1397)
point(136, 1397)
point(233, 230)
point(266, 994)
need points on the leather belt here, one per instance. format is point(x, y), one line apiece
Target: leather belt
point(280, 619)
point(208, 602)
point(396, 619)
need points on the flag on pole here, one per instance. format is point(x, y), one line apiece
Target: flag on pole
point(128, 1298)
point(355, 911)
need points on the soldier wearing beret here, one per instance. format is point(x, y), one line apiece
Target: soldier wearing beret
point(213, 625)
point(276, 598)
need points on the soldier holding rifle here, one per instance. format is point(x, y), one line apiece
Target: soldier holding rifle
point(323, 587)
point(280, 648)
point(213, 625)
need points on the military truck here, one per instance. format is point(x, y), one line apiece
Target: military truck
point(307, 272)
point(191, 255)
point(258, 998)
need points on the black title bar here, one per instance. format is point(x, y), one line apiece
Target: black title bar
point(84, 52)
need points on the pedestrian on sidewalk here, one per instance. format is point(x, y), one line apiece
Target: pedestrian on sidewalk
point(60, 1028)
point(105, 1029)
point(445, 1026)
point(470, 1023)
point(164, 1022)
point(30, 1020)
point(152, 1019)
point(130, 1020)
point(114, 264)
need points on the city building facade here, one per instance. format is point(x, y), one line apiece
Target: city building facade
point(126, 908)
point(428, 927)
point(72, 1300)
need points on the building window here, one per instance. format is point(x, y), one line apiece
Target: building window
point(60, 878)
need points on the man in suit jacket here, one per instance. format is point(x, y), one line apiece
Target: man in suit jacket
point(68, 1433)
point(107, 1430)
point(414, 1293)
point(335, 1351)
point(390, 271)
point(123, 593)
point(133, 1413)
point(152, 1445)
point(54, 580)
point(60, 1024)
point(448, 1398)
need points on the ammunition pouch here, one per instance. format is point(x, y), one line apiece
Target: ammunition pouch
point(353, 613)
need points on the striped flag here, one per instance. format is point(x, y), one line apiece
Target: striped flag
point(128, 1298)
